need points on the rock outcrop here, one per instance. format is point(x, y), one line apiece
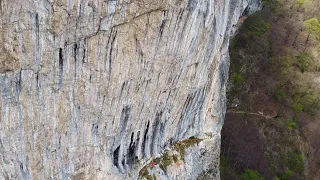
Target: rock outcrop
point(95, 88)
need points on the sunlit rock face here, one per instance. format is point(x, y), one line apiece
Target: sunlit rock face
point(96, 88)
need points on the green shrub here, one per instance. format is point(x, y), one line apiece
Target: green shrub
point(274, 5)
point(309, 100)
point(286, 175)
point(287, 123)
point(279, 92)
point(311, 103)
point(181, 146)
point(301, 2)
point(148, 177)
point(297, 108)
point(291, 126)
point(294, 160)
point(237, 79)
point(313, 27)
point(281, 65)
point(166, 160)
point(250, 174)
point(256, 25)
point(146, 174)
point(305, 61)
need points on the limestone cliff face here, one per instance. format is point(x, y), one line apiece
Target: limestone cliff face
point(95, 88)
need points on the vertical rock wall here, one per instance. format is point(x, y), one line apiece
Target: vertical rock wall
point(94, 88)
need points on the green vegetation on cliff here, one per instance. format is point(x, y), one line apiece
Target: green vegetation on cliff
point(169, 157)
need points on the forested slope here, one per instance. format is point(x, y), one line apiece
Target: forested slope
point(272, 126)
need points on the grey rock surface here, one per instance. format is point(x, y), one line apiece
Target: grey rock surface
point(93, 89)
